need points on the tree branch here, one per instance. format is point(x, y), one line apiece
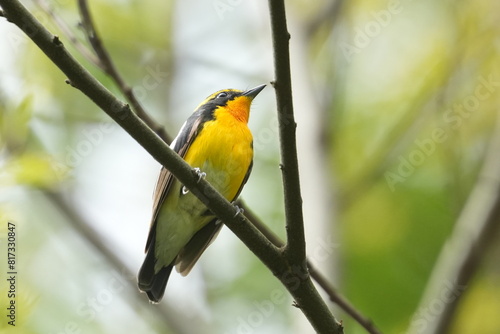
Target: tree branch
point(322, 281)
point(84, 50)
point(102, 60)
point(474, 233)
point(81, 79)
point(342, 302)
point(108, 66)
point(295, 249)
point(299, 286)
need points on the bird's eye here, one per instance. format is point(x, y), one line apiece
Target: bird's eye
point(221, 95)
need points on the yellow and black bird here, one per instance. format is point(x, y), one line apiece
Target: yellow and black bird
point(216, 140)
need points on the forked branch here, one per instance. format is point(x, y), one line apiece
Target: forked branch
point(305, 294)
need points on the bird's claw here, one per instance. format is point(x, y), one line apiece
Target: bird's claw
point(201, 175)
point(238, 210)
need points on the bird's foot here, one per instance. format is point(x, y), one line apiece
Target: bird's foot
point(238, 210)
point(201, 175)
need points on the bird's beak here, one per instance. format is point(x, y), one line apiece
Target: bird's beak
point(252, 93)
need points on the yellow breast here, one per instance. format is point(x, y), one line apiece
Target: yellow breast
point(223, 150)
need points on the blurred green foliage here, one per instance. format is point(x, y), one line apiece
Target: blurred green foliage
point(408, 90)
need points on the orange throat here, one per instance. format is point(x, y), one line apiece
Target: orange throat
point(239, 108)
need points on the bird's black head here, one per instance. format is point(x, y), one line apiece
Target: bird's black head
point(234, 101)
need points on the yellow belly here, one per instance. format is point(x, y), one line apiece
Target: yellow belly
point(224, 152)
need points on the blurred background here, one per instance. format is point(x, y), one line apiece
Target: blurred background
point(395, 101)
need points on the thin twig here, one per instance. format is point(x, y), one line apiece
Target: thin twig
point(102, 60)
point(322, 281)
point(304, 293)
point(312, 305)
point(82, 48)
point(108, 66)
point(474, 233)
point(342, 302)
point(295, 247)
point(82, 80)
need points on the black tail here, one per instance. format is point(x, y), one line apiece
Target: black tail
point(152, 283)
